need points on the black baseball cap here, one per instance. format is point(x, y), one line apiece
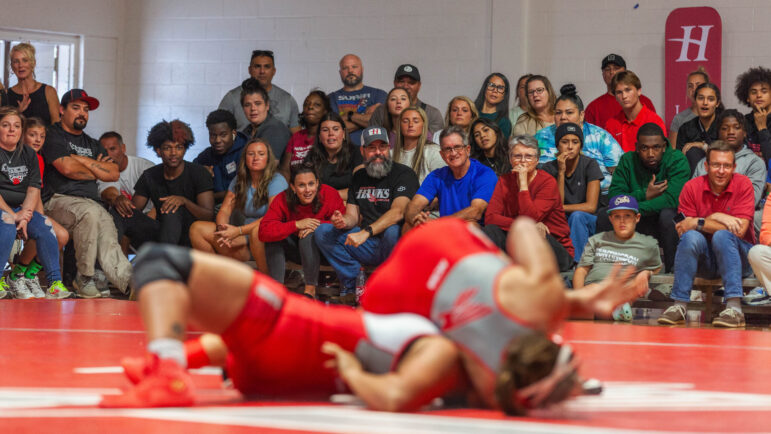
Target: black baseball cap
point(614, 59)
point(80, 95)
point(408, 70)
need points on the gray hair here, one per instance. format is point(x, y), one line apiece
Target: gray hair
point(454, 129)
point(526, 141)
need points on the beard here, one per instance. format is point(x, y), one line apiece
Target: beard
point(378, 167)
point(352, 80)
point(79, 124)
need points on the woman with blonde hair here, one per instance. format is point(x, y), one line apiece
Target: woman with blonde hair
point(540, 106)
point(256, 183)
point(412, 148)
point(461, 112)
point(32, 98)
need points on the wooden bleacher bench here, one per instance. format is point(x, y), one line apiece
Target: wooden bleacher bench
point(707, 288)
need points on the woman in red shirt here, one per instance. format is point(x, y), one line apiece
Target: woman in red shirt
point(287, 228)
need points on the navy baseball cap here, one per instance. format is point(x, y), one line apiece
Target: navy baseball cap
point(623, 201)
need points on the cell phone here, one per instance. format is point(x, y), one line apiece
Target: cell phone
point(659, 181)
point(678, 218)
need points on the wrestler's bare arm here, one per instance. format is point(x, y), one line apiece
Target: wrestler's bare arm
point(430, 369)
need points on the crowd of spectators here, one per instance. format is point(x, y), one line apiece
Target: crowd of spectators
point(342, 180)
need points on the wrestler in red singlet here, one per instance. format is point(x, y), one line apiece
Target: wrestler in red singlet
point(447, 270)
point(275, 343)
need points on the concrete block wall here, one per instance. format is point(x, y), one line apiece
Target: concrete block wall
point(182, 56)
point(567, 40)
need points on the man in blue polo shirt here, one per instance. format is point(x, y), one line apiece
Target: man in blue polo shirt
point(462, 188)
point(221, 158)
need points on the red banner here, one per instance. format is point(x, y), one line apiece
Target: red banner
point(693, 38)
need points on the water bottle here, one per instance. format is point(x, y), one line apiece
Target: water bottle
point(361, 280)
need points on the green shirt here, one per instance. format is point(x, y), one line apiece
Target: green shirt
point(632, 177)
point(605, 249)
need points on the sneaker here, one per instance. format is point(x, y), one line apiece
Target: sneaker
point(674, 315)
point(623, 313)
point(57, 290)
point(85, 287)
point(34, 287)
point(102, 284)
point(136, 368)
point(729, 317)
point(165, 384)
point(4, 289)
point(755, 295)
point(20, 289)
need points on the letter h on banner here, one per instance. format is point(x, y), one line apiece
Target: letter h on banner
point(693, 38)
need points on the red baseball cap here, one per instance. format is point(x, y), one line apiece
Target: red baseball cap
point(80, 95)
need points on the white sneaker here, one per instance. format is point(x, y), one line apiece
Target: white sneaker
point(19, 288)
point(34, 287)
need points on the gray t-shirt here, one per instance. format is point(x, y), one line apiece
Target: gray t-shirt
point(435, 120)
point(681, 118)
point(605, 249)
point(586, 171)
point(282, 106)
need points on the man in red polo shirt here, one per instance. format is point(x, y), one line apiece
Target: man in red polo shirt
point(527, 191)
point(715, 235)
point(624, 124)
point(605, 106)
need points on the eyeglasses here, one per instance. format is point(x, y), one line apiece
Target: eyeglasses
point(453, 149)
point(537, 91)
point(523, 157)
point(500, 88)
point(718, 166)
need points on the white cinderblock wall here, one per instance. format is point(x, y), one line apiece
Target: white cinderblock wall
point(182, 56)
point(147, 60)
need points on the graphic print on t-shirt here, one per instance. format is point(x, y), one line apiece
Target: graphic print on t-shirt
point(15, 173)
point(373, 194)
point(356, 103)
point(614, 256)
point(80, 150)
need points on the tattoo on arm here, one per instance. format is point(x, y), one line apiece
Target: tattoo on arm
point(98, 166)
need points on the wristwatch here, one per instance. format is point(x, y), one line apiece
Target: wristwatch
point(700, 225)
point(368, 230)
point(350, 116)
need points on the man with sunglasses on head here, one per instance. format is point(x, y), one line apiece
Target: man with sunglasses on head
point(462, 188)
point(715, 228)
point(653, 174)
point(282, 105)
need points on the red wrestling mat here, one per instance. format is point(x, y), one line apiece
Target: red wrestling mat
point(58, 357)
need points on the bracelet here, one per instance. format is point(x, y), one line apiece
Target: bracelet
point(240, 232)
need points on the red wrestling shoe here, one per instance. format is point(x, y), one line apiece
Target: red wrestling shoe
point(164, 384)
point(136, 368)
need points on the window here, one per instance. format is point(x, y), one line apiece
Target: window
point(56, 58)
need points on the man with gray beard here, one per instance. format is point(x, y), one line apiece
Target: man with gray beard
point(379, 194)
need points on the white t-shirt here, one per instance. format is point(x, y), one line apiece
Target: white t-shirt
point(128, 178)
point(432, 160)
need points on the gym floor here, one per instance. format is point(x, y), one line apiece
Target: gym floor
point(59, 357)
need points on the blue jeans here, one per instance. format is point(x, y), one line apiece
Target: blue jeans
point(347, 260)
point(39, 229)
point(582, 226)
point(725, 256)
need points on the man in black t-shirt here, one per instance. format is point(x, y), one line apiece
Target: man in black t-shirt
point(379, 194)
point(181, 191)
point(74, 161)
